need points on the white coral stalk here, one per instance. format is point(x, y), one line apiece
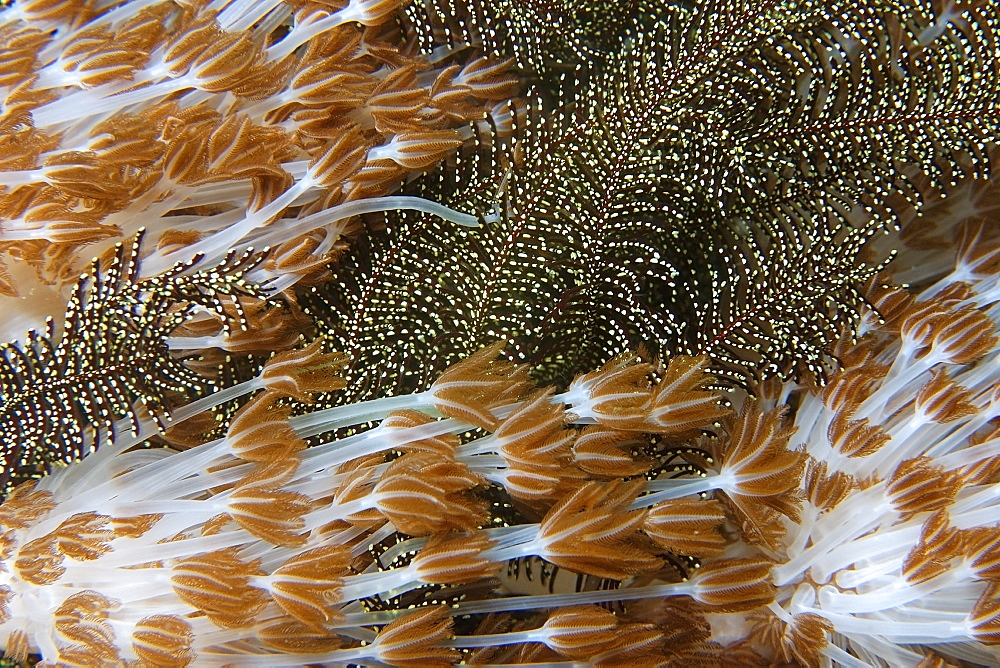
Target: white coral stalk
point(899, 521)
point(252, 548)
point(244, 546)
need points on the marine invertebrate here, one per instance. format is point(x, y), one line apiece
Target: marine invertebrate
point(213, 129)
point(858, 527)
point(111, 353)
point(901, 448)
point(754, 535)
point(693, 177)
point(214, 126)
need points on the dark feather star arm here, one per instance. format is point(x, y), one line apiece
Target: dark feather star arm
point(63, 388)
point(694, 177)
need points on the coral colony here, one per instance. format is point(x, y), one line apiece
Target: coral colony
point(810, 478)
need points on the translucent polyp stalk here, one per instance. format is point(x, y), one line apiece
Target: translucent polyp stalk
point(325, 516)
point(320, 483)
point(155, 580)
point(883, 598)
point(176, 549)
point(668, 490)
point(243, 14)
point(329, 419)
point(968, 508)
point(842, 658)
point(14, 178)
point(302, 33)
point(866, 511)
point(905, 371)
point(527, 545)
point(341, 657)
point(859, 576)
point(487, 465)
point(397, 580)
point(215, 399)
point(970, 455)
point(68, 107)
point(84, 474)
point(215, 248)
point(195, 342)
point(149, 481)
point(886, 545)
point(196, 511)
point(491, 639)
point(330, 455)
point(544, 601)
point(906, 632)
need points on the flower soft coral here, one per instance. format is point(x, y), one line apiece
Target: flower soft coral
point(215, 126)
